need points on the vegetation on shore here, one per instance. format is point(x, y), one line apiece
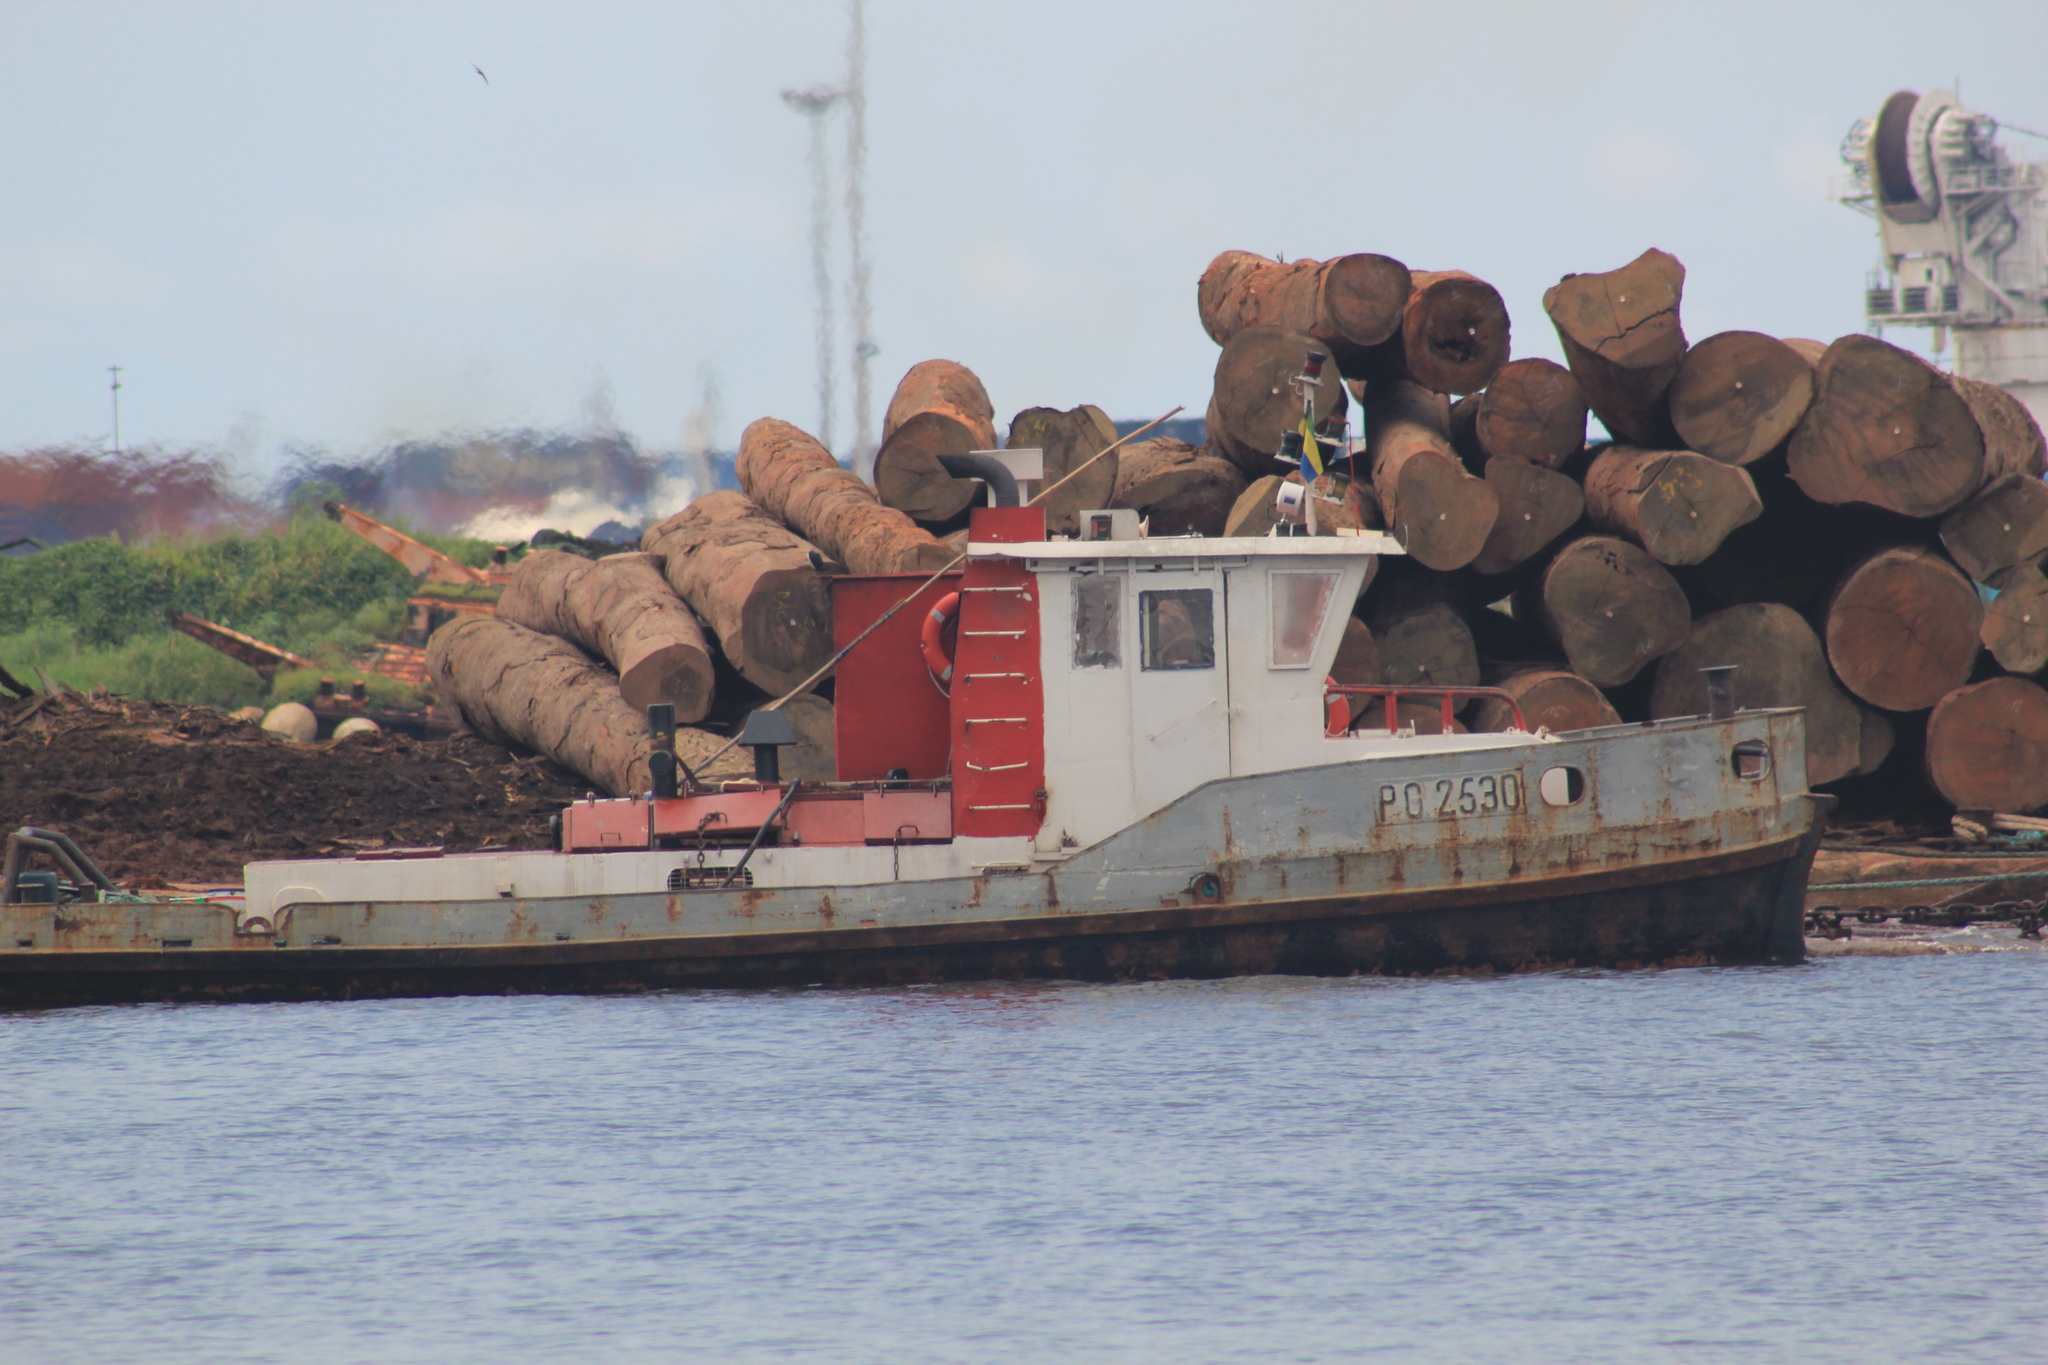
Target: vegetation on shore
point(93, 612)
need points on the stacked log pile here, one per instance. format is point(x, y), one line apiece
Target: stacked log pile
point(1831, 519)
point(1860, 534)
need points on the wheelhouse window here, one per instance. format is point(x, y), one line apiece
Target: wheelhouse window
point(1300, 601)
point(1098, 622)
point(1177, 628)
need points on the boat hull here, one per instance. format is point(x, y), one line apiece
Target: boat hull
point(1739, 907)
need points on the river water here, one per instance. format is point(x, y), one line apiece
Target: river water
point(1839, 1162)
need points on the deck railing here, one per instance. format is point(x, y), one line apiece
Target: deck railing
point(1391, 694)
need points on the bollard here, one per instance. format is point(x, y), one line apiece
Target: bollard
point(1720, 691)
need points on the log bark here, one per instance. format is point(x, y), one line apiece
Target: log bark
point(795, 480)
point(1902, 628)
point(2013, 443)
point(752, 580)
point(942, 386)
point(518, 686)
point(1886, 429)
point(1874, 742)
point(2006, 522)
point(1622, 338)
point(1431, 503)
point(2015, 627)
point(1181, 490)
point(621, 609)
point(1537, 505)
point(813, 758)
point(1778, 662)
point(1531, 410)
point(1738, 395)
point(1610, 606)
point(1552, 699)
point(1987, 746)
point(939, 408)
point(1254, 401)
point(1676, 504)
point(1070, 439)
point(1347, 303)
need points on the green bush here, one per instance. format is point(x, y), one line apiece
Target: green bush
point(309, 586)
point(161, 665)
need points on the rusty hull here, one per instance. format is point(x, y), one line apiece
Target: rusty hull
point(1668, 859)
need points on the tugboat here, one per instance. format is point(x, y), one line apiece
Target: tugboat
point(1130, 764)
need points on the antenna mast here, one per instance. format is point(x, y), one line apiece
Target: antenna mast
point(814, 104)
point(864, 346)
point(114, 390)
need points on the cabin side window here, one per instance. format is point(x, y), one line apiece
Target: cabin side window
point(1300, 601)
point(1098, 622)
point(1177, 628)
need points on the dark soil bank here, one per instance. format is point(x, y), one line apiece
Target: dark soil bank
point(161, 794)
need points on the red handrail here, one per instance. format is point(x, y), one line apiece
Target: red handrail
point(1392, 693)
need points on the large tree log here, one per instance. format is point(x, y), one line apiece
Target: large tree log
point(1738, 395)
point(1181, 490)
point(1552, 699)
point(1422, 642)
point(1453, 337)
point(939, 408)
point(1676, 504)
point(1778, 662)
point(1253, 514)
point(1347, 303)
point(1537, 505)
point(1531, 410)
point(2013, 443)
point(1070, 440)
point(942, 386)
point(518, 686)
point(1431, 503)
point(1610, 606)
point(1623, 341)
point(753, 580)
point(1902, 628)
point(621, 609)
point(2004, 524)
point(1987, 746)
point(1357, 662)
point(2015, 627)
point(1255, 399)
point(795, 480)
point(1887, 429)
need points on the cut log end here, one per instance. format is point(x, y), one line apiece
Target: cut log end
point(1738, 395)
point(1902, 628)
point(1611, 607)
point(1987, 746)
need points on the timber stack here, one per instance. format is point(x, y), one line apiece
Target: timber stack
point(1859, 533)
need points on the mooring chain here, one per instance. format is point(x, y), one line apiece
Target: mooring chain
point(1831, 921)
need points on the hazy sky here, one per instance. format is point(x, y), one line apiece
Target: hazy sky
point(314, 223)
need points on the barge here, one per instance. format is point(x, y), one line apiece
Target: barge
point(1129, 763)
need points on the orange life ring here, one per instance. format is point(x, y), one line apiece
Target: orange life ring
point(1336, 714)
point(932, 639)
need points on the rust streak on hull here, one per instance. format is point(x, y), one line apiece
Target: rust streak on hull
point(1737, 907)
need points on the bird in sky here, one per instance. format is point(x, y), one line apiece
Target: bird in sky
point(479, 71)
